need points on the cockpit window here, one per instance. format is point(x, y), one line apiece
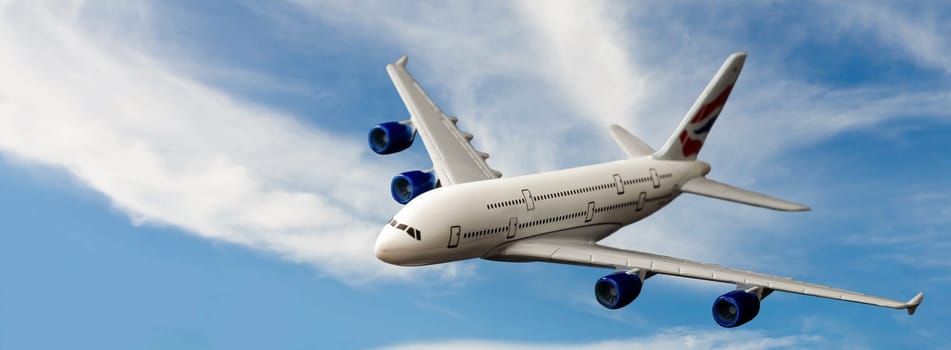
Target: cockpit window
point(412, 232)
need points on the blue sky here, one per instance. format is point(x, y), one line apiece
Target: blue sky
point(194, 174)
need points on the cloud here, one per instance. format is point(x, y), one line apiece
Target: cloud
point(913, 30)
point(169, 150)
point(679, 338)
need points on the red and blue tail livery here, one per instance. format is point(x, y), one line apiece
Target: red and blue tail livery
point(685, 144)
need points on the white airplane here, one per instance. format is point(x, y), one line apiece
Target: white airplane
point(463, 209)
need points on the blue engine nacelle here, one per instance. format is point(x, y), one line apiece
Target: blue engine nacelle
point(735, 308)
point(391, 137)
point(616, 290)
point(410, 184)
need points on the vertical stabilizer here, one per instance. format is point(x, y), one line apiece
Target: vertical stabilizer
point(686, 142)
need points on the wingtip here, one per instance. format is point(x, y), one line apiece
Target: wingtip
point(800, 207)
point(912, 305)
point(402, 61)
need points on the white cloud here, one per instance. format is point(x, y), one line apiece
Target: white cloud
point(680, 338)
point(168, 150)
point(584, 54)
point(916, 30)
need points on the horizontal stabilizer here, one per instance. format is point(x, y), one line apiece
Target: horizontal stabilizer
point(631, 145)
point(714, 189)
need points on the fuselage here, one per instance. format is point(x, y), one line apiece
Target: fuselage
point(472, 219)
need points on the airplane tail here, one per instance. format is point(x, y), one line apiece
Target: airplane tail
point(686, 142)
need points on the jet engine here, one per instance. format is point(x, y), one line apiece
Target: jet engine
point(391, 137)
point(406, 186)
point(616, 290)
point(735, 308)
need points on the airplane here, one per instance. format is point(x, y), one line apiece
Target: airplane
point(463, 209)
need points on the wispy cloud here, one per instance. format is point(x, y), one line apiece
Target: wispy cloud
point(167, 150)
point(915, 31)
point(680, 338)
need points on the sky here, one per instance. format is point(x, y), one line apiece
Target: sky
point(195, 174)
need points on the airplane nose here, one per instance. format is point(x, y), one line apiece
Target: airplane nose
point(387, 246)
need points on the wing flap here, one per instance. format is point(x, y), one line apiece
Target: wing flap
point(590, 254)
point(454, 159)
point(713, 189)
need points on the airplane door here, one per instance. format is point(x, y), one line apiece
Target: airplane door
point(529, 200)
point(619, 184)
point(640, 201)
point(590, 213)
point(513, 226)
point(655, 180)
point(454, 233)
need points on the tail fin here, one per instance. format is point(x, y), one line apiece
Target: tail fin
point(685, 143)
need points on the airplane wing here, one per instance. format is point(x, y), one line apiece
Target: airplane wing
point(589, 254)
point(454, 159)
